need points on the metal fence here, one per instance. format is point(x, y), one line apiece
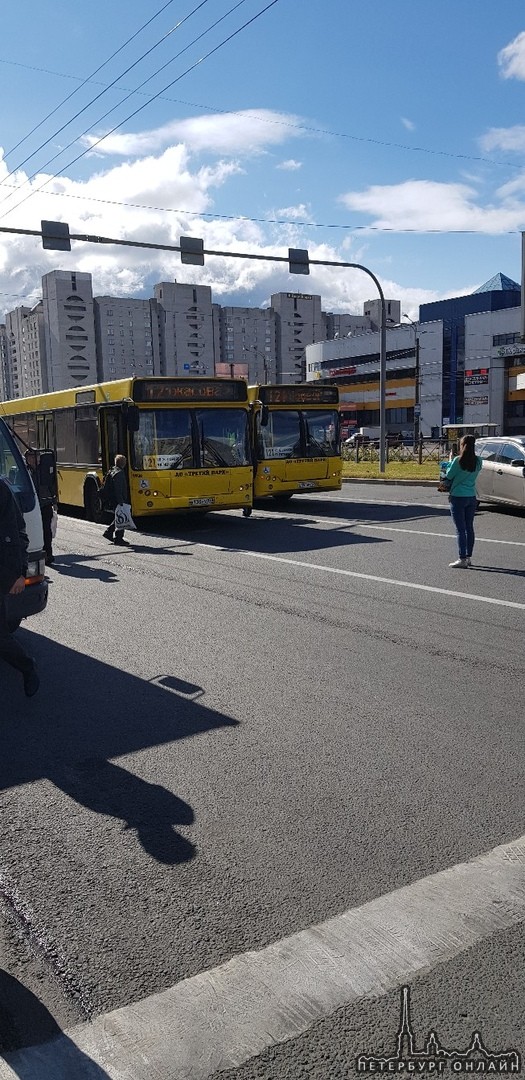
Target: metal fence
point(431, 450)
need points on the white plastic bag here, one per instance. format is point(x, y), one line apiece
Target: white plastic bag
point(123, 518)
point(54, 523)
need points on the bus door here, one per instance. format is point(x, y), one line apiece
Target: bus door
point(113, 434)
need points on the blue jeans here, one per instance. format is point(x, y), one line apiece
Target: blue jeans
point(463, 509)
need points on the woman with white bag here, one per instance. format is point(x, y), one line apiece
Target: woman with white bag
point(115, 496)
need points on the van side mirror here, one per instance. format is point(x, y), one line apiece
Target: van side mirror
point(47, 473)
point(517, 463)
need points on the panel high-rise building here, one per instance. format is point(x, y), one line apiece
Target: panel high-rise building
point(25, 351)
point(247, 343)
point(4, 367)
point(299, 322)
point(127, 337)
point(187, 328)
point(69, 329)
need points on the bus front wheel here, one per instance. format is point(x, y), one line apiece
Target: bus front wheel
point(92, 503)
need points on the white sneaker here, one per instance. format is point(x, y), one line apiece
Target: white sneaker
point(463, 563)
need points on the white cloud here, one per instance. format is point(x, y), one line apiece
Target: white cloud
point(290, 165)
point(297, 213)
point(511, 59)
point(229, 133)
point(97, 205)
point(512, 138)
point(426, 205)
point(409, 124)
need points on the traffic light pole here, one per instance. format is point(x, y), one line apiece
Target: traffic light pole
point(55, 235)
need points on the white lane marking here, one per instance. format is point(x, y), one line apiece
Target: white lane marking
point(447, 536)
point(363, 577)
point(342, 523)
point(351, 522)
point(367, 577)
point(223, 1017)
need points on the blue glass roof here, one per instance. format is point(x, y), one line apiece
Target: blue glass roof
point(498, 283)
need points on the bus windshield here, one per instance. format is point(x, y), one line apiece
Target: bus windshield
point(190, 439)
point(13, 469)
point(291, 433)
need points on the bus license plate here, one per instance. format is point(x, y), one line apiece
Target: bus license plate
point(201, 502)
point(306, 484)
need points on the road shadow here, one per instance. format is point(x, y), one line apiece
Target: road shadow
point(89, 714)
point(266, 534)
point(75, 566)
point(497, 570)
point(150, 810)
point(25, 1022)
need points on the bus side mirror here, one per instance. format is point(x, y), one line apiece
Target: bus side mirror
point(132, 414)
point(265, 412)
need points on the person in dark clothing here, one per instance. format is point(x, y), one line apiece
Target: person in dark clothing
point(48, 501)
point(13, 569)
point(117, 494)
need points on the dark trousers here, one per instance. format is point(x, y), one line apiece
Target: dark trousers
point(11, 649)
point(463, 510)
point(113, 534)
point(47, 518)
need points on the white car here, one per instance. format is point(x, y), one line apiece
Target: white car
point(502, 478)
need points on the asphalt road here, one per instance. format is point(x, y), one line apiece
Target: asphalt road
point(245, 728)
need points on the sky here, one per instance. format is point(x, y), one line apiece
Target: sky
point(390, 135)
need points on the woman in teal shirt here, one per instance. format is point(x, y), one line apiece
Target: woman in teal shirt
point(462, 474)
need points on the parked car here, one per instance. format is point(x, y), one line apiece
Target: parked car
point(502, 478)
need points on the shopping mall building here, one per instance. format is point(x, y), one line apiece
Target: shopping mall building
point(458, 363)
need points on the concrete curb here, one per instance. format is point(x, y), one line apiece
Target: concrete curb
point(402, 483)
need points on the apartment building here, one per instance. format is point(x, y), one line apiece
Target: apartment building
point(187, 328)
point(26, 351)
point(70, 347)
point(127, 337)
point(4, 368)
point(247, 344)
point(299, 322)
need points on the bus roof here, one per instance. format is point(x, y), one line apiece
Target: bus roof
point(132, 388)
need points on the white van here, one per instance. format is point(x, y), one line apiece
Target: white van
point(14, 469)
point(502, 478)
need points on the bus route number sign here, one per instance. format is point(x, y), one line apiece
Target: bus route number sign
point(299, 395)
point(187, 390)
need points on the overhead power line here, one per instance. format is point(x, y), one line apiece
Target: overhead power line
point(82, 82)
point(288, 123)
point(273, 221)
point(93, 100)
point(192, 67)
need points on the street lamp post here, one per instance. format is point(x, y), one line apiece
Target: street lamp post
point(417, 402)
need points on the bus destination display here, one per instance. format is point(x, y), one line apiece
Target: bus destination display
point(188, 390)
point(299, 395)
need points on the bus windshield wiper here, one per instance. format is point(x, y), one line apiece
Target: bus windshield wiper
point(208, 445)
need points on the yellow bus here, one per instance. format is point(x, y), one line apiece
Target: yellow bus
point(186, 440)
point(296, 439)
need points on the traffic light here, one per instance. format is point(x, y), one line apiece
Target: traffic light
point(298, 262)
point(191, 250)
point(55, 235)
